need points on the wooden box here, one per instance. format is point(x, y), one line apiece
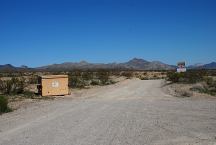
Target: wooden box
point(53, 85)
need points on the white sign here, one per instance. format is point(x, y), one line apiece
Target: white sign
point(181, 70)
point(55, 84)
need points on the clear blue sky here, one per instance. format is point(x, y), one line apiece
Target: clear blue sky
point(40, 32)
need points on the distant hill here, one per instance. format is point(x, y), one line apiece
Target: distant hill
point(80, 65)
point(135, 64)
point(197, 65)
point(7, 67)
point(11, 68)
point(140, 64)
point(211, 65)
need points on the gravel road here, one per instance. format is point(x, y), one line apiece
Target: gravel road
point(132, 112)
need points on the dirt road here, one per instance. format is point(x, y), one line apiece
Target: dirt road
point(132, 112)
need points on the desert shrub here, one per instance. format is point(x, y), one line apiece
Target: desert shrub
point(12, 86)
point(127, 74)
point(155, 76)
point(80, 79)
point(103, 76)
point(76, 82)
point(29, 94)
point(210, 81)
point(174, 77)
point(87, 75)
point(184, 94)
point(4, 105)
point(163, 73)
point(208, 84)
point(116, 73)
point(204, 89)
point(210, 87)
point(211, 72)
point(145, 73)
point(186, 77)
point(95, 82)
point(143, 78)
point(33, 79)
point(194, 76)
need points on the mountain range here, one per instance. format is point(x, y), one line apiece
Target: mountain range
point(211, 65)
point(134, 64)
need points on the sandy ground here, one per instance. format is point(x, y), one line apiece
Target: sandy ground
point(132, 112)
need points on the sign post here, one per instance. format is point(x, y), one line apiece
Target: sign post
point(181, 67)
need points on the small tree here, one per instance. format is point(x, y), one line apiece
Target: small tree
point(12, 86)
point(103, 76)
point(127, 74)
point(4, 105)
point(173, 77)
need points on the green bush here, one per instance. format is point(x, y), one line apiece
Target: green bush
point(103, 77)
point(174, 77)
point(76, 82)
point(143, 78)
point(211, 85)
point(87, 75)
point(4, 105)
point(210, 81)
point(155, 76)
point(95, 82)
point(28, 94)
point(127, 74)
point(191, 77)
point(145, 73)
point(33, 80)
point(81, 79)
point(186, 77)
point(207, 89)
point(12, 86)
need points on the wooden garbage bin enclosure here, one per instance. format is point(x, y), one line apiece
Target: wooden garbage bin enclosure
point(53, 85)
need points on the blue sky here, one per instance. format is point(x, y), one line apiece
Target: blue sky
point(40, 32)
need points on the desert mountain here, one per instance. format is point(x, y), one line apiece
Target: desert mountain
point(211, 65)
point(135, 64)
point(197, 65)
point(140, 64)
point(7, 67)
